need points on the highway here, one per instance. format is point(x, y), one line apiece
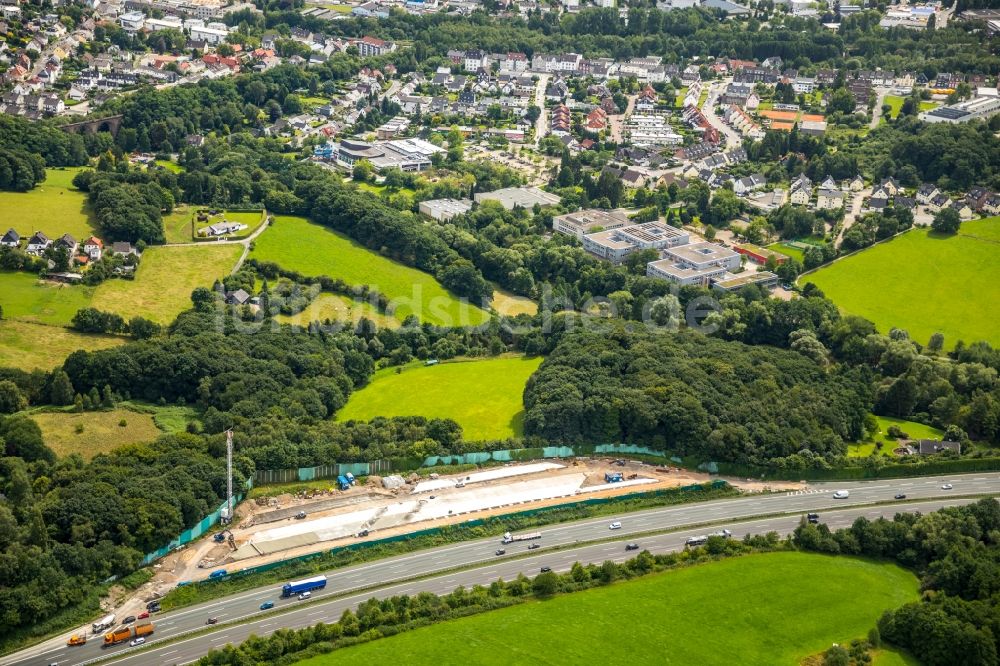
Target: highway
point(436, 566)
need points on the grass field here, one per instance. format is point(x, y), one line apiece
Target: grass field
point(55, 207)
point(25, 297)
point(101, 430)
point(484, 397)
point(337, 307)
point(895, 104)
point(170, 166)
point(177, 225)
point(165, 279)
point(511, 305)
point(889, 657)
point(761, 609)
point(28, 346)
point(924, 283)
point(912, 428)
point(297, 244)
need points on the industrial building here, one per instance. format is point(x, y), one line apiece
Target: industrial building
point(963, 112)
point(519, 197)
point(443, 210)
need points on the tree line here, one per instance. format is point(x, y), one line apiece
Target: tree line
point(956, 553)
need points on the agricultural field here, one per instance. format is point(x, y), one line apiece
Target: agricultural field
point(482, 396)
point(296, 244)
point(166, 277)
point(923, 282)
point(29, 346)
point(54, 207)
point(25, 297)
point(90, 433)
point(337, 307)
point(782, 617)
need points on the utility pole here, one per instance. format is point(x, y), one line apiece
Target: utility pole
point(229, 476)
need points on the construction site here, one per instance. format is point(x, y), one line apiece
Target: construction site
point(282, 526)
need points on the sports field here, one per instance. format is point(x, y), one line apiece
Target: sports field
point(299, 245)
point(54, 207)
point(28, 346)
point(924, 283)
point(773, 609)
point(484, 397)
point(165, 279)
point(101, 431)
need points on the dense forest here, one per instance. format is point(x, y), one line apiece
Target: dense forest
point(956, 552)
point(693, 395)
point(67, 525)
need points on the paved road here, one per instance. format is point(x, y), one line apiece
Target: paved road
point(733, 138)
point(441, 560)
point(880, 94)
point(542, 124)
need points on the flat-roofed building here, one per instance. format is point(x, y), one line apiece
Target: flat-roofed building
point(519, 197)
point(616, 244)
point(730, 283)
point(697, 263)
point(443, 210)
point(589, 221)
point(963, 112)
point(404, 154)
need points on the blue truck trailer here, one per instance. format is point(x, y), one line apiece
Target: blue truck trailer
point(300, 586)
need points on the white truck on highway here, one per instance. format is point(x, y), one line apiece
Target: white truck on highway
point(105, 622)
point(511, 538)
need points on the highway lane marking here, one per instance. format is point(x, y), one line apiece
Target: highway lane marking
point(387, 591)
point(673, 513)
point(170, 652)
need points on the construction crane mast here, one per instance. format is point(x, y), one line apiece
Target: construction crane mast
point(229, 477)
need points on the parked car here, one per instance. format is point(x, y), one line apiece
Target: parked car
point(266, 605)
point(305, 595)
point(143, 615)
point(900, 496)
point(137, 641)
point(153, 606)
point(812, 517)
point(300, 515)
point(841, 494)
point(615, 526)
point(129, 620)
point(631, 546)
point(501, 551)
point(546, 569)
point(362, 533)
point(947, 486)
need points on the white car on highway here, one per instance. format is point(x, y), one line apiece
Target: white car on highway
point(615, 526)
point(841, 494)
point(947, 486)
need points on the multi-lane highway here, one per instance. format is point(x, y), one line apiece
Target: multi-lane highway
point(437, 567)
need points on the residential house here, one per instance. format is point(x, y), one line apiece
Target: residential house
point(939, 202)
point(38, 243)
point(930, 446)
point(123, 248)
point(891, 186)
point(744, 186)
point(93, 247)
point(829, 199)
point(857, 184)
point(238, 297)
point(879, 200)
point(68, 243)
point(926, 193)
point(10, 239)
